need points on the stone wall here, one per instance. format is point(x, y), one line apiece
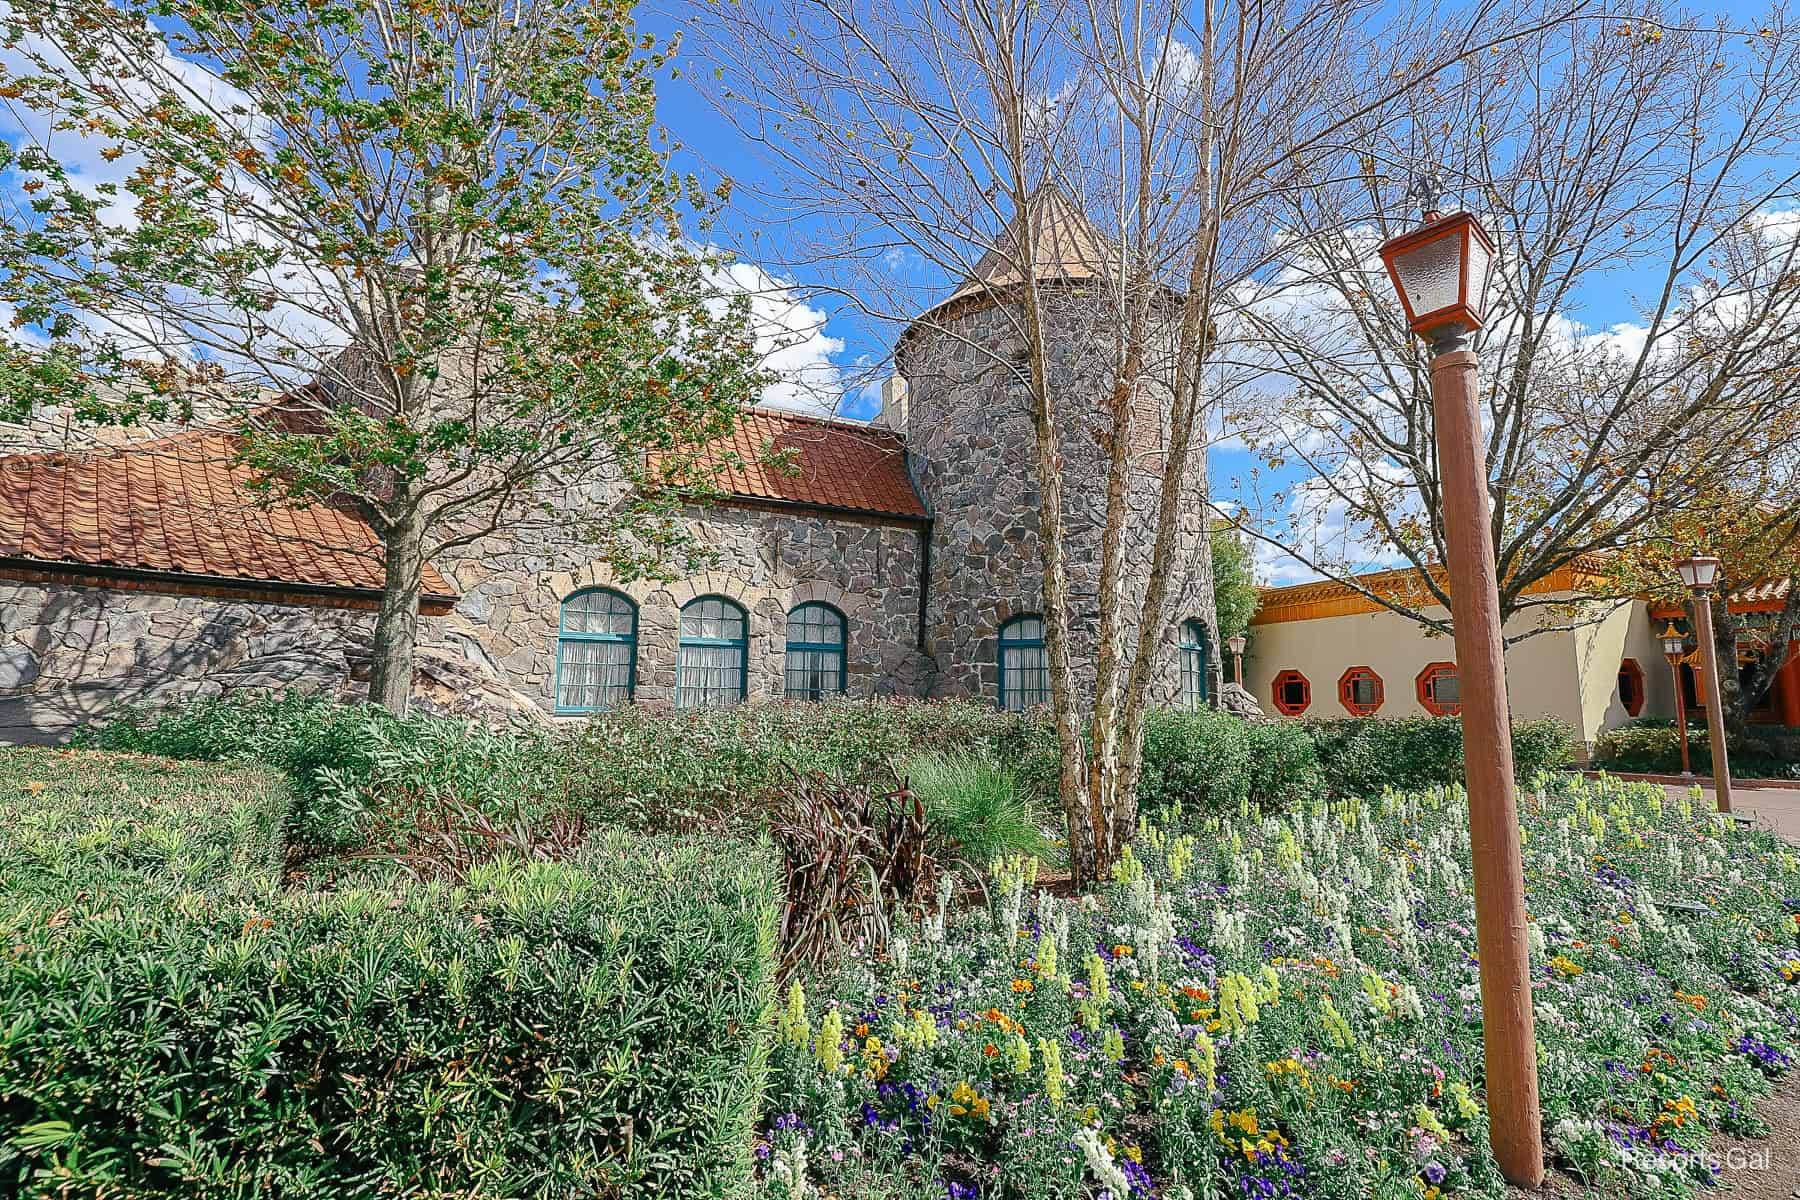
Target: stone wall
point(513, 585)
point(69, 654)
point(972, 444)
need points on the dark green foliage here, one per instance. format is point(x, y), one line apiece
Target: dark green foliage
point(74, 820)
point(348, 764)
point(1361, 755)
point(582, 1027)
point(669, 769)
point(1235, 594)
point(1655, 746)
point(1200, 760)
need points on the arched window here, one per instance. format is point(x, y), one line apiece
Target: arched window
point(1360, 691)
point(1292, 693)
point(815, 652)
point(1439, 692)
point(1631, 686)
point(710, 663)
point(596, 652)
point(1193, 664)
point(1024, 664)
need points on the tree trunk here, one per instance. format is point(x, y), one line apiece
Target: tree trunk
point(1734, 701)
point(397, 625)
point(1746, 694)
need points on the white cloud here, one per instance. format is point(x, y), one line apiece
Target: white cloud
point(791, 342)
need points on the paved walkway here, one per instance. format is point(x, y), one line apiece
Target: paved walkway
point(1773, 808)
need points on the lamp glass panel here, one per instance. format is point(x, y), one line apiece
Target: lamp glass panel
point(1432, 274)
point(1478, 273)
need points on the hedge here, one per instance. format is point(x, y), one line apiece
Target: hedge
point(1655, 746)
point(584, 1027)
point(658, 769)
point(1361, 755)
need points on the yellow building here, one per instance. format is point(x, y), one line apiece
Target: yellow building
point(1327, 649)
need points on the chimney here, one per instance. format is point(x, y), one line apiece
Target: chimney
point(893, 405)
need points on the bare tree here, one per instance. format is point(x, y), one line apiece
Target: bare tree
point(924, 130)
point(1648, 160)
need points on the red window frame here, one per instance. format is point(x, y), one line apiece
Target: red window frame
point(1429, 702)
point(1346, 695)
point(1630, 669)
point(1280, 688)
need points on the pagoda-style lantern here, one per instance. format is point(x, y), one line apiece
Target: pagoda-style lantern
point(1674, 647)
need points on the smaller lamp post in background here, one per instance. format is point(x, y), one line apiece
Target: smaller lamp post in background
point(1236, 643)
point(1440, 271)
point(1674, 644)
point(1700, 573)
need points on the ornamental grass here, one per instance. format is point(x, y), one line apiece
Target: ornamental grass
point(1289, 1006)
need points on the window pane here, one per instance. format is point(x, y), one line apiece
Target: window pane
point(1445, 691)
point(1193, 676)
point(1025, 629)
point(713, 620)
point(816, 625)
point(814, 674)
point(597, 612)
point(1362, 692)
point(594, 674)
point(709, 676)
point(1293, 693)
point(1024, 676)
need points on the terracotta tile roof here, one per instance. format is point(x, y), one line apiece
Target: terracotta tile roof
point(179, 505)
point(1770, 594)
point(839, 464)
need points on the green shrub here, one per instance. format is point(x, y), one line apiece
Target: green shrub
point(977, 807)
point(1359, 756)
point(1208, 761)
point(1655, 746)
point(346, 763)
point(664, 769)
point(79, 818)
point(584, 1027)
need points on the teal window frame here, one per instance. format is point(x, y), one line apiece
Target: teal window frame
point(1195, 661)
point(565, 637)
point(686, 642)
point(1012, 641)
point(838, 650)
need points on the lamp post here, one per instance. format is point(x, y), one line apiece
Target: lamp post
point(1236, 643)
point(1674, 644)
point(1700, 573)
point(1440, 271)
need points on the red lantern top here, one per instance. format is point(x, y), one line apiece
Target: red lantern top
point(1440, 270)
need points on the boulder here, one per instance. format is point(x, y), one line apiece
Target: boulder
point(1235, 699)
point(446, 684)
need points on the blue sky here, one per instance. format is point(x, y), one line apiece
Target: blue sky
point(847, 339)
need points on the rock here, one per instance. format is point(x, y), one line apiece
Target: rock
point(18, 666)
point(1235, 699)
point(446, 684)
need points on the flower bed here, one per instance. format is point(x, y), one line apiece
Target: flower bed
point(1290, 1007)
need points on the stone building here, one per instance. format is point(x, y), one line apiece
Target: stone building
point(899, 558)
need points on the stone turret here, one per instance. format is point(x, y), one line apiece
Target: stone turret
point(971, 449)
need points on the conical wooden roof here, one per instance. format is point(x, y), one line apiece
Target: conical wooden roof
point(1066, 246)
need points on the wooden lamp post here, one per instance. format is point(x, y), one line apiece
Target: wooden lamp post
point(1700, 573)
point(1236, 643)
point(1674, 645)
point(1440, 271)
